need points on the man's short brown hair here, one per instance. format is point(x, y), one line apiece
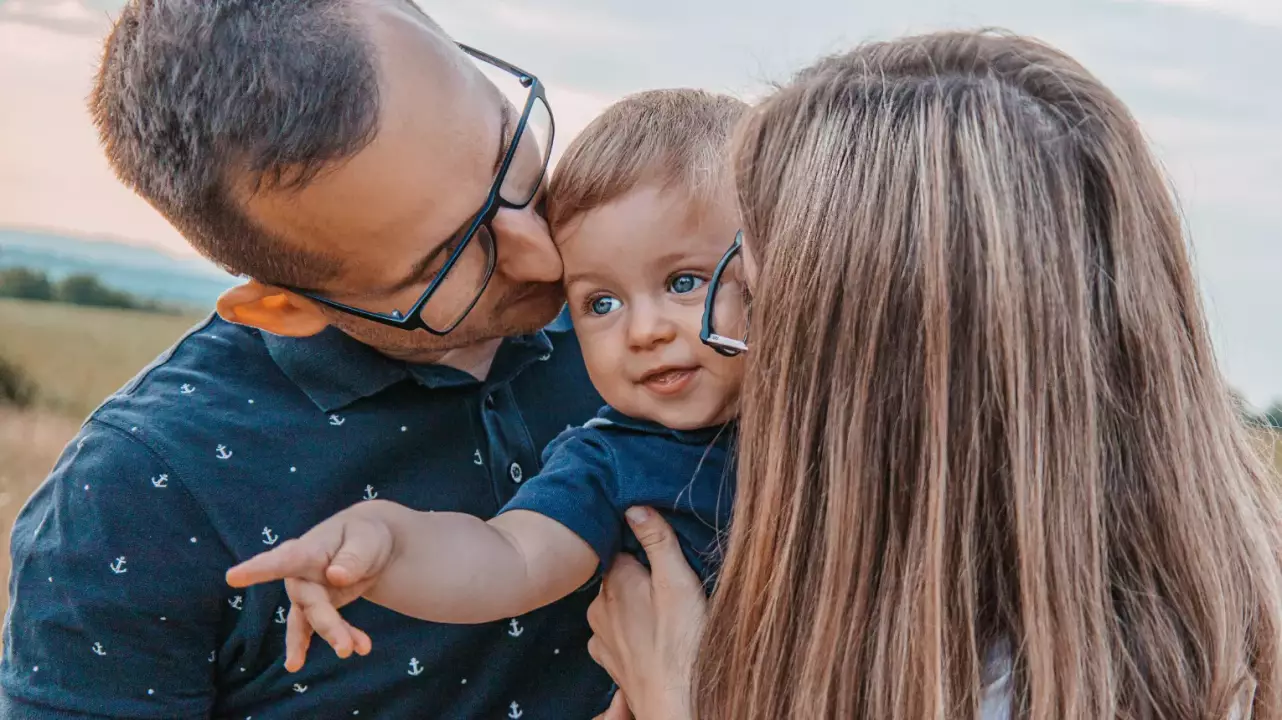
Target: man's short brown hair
point(194, 94)
point(675, 138)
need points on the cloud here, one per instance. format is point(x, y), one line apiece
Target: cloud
point(1260, 12)
point(545, 23)
point(69, 16)
point(574, 109)
point(54, 173)
point(580, 25)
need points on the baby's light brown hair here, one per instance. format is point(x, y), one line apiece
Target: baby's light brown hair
point(676, 138)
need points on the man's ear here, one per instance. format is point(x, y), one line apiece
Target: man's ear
point(271, 309)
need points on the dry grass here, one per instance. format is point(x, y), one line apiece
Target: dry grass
point(77, 356)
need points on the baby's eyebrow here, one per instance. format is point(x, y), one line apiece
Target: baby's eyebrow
point(581, 277)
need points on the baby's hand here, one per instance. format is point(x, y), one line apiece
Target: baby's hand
point(314, 609)
point(331, 565)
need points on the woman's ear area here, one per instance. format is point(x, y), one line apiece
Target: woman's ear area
point(271, 309)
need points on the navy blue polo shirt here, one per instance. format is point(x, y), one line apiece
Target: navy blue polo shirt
point(234, 441)
point(594, 473)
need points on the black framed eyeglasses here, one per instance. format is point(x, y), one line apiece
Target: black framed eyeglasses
point(727, 305)
point(460, 279)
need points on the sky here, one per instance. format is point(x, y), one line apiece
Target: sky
point(1199, 74)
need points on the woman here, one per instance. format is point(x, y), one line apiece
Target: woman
point(988, 466)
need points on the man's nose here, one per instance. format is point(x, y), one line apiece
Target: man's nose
point(526, 253)
point(649, 326)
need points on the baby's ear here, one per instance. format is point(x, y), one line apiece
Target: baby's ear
point(271, 309)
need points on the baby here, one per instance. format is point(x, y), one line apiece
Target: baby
point(642, 212)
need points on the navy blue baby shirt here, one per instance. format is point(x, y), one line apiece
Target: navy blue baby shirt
point(592, 474)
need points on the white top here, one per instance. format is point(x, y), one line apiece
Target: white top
point(995, 703)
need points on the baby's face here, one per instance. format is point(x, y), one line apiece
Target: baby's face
point(636, 274)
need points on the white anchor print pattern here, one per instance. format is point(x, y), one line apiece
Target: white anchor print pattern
point(514, 711)
point(98, 650)
point(222, 453)
point(476, 458)
point(415, 668)
point(162, 481)
point(118, 567)
point(237, 603)
point(270, 538)
point(516, 629)
point(369, 493)
point(337, 421)
point(186, 389)
point(300, 689)
point(280, 616)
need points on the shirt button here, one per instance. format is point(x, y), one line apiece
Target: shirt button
point(517, 474)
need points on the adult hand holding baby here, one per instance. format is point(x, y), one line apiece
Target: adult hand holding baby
point(328, 567)
point(647, 625)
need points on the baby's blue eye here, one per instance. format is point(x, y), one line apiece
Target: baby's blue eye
point(683, 284)
point(604, 305)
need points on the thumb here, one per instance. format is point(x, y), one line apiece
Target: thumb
point(668, 566)
point(365, 549)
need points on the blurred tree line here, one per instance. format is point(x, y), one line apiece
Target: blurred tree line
point(78, 289)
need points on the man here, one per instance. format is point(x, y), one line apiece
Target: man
point(383, 192)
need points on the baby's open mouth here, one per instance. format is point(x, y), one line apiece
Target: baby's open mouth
point(667, 381)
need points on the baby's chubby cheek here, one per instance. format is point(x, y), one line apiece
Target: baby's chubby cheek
point(604, 370)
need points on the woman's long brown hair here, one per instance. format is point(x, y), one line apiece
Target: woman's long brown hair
point(983, 420)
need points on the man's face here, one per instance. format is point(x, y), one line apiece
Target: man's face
point(385, 211)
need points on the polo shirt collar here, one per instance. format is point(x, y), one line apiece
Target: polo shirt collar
point(335, 370)
point(332, 368)
point(698, 436)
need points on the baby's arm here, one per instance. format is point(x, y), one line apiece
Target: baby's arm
point(447, 567)
point(456, 568)
point(561, 527)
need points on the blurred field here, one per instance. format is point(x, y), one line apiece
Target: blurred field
point(75, 357)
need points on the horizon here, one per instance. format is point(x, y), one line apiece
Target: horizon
point(183, 253)
point(1194, 72)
